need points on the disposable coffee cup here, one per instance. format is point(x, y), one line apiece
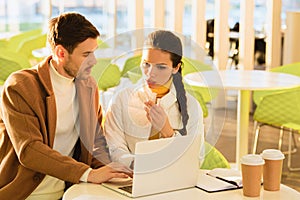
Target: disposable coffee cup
point(272, 169)
point(252, 168)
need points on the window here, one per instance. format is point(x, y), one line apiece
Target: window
point(18, 15)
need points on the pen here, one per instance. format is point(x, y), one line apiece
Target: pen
point(222, 179)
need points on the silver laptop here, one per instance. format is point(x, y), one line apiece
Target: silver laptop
point(162, 165)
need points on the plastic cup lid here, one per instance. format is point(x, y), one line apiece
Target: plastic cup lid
point(252, 159)
point(272, 154)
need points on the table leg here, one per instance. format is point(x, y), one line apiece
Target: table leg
point(242, 125)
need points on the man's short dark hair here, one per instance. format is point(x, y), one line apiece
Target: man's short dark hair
point(69, 30)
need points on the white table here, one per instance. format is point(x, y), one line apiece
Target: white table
point(88, 191)
point(236, 35)
point(244, 81)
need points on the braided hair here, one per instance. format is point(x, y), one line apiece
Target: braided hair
point(170, 43)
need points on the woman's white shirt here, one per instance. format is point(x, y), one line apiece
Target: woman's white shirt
point(126, 122)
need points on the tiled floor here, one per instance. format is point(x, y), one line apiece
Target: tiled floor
point(268, 139)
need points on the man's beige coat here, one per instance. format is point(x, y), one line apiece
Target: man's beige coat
point(27, 131)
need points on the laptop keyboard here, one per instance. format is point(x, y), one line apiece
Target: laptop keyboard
point(127, 188)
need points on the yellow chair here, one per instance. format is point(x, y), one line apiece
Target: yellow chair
point(279, 109)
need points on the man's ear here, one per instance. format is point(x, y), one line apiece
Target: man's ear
point(60, 51)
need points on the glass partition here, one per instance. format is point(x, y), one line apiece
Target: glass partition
point(17, 15)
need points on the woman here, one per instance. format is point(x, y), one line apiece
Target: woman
point(158, 107)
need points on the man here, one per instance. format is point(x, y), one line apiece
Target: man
point(49, 114)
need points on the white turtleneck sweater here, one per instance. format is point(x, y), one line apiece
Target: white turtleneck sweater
point(66, 134)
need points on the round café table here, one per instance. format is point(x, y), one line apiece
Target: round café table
point(243, 81)
point(89, 191)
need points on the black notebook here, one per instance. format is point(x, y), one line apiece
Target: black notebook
point(220, 179)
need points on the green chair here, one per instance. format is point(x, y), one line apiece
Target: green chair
point(292, 68)
point(3, 43)
point(31, 44)
point(213, 158)
point(102, 44)
point(106, 74)
point(7, 67)
point(14, 42)
point(134, 75)
point(279, 109)
point(11, 55)
point(11, 62)
point(204, 95)
point(197, 94)
point(192, 65)
point(131, 68)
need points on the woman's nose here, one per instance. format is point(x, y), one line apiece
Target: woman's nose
point(151, 71)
